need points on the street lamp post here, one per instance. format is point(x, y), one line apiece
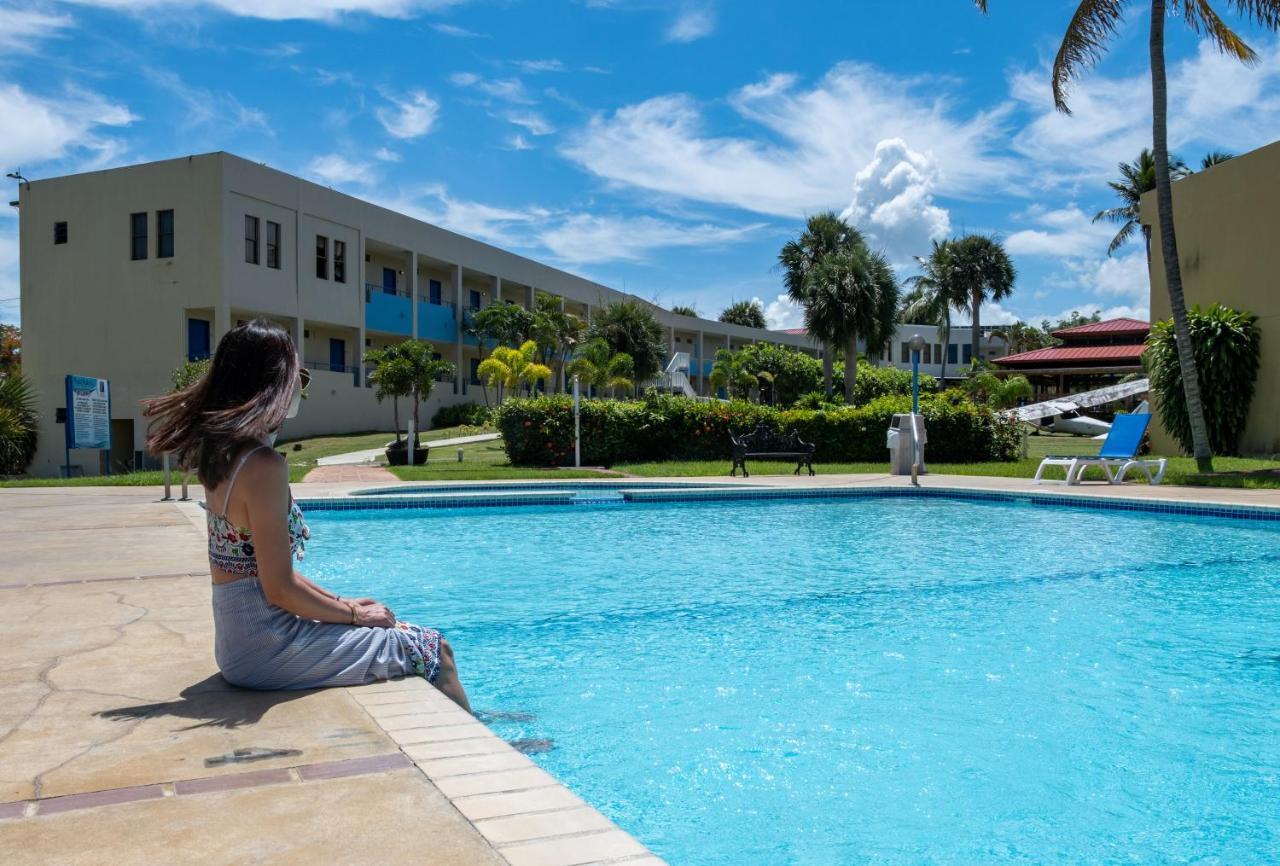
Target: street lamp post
point(917, 344)
point(577, 426)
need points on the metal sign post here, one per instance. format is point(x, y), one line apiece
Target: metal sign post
point(577, 426)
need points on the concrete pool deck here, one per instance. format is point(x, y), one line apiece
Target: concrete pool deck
point(119, 740)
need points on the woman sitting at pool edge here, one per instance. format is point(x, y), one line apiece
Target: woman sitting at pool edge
point(273, 628)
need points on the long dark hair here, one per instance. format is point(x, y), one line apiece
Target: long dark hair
point(244, 396)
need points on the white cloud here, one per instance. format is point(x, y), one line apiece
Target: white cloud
point(9, 305)
point(586, 238)
point(459, 32)
point(782, 313)
point(39, 129)
point(893, 202)
point(20, 29)
point(284, 10)
point(410, 117)
point(532, 67)
point(386, 155)
point(1066, 231)
point(335, 169)
point(202, 107)
point(811, 141)
point(532, 122)
point(1215, 102)
point(691, 24)
point(496, 225)
point(518, 142)
point(507, 89)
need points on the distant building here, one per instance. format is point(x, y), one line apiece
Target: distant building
point(1091, 356)
point(957, 353)
point(128, 272)
point(1227, 228)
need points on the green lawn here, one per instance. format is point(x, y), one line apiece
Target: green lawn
point(302, 455)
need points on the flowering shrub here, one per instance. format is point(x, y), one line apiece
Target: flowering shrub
point(539, 431)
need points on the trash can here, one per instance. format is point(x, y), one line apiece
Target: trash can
point(899, 441)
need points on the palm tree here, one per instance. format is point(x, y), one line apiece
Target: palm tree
point(596, 366)
point(749, 314)
point(556, 333)
point(850, 293)
point(1022, 337)
point(630, 327)
point(1215, 157)
point(982, 271)
point(824, 233)
point(730, 373)
point(935, 294)
point(18, 424)
point(510, 368)
point(685, 310)
point(1094, 22)
point(1136, 178)
point(391, 377)
point(499, 324)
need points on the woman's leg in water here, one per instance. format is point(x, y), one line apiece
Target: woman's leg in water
point(447, 678)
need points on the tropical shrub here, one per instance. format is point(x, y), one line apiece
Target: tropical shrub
point(539, 432)
point(461, 415)
point(793, 373)
point(1227, 347)
point(189, 373)
point(17, 424)
point(630, 328)
point(874, 382)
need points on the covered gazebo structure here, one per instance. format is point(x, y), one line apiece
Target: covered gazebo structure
point(1091, 356)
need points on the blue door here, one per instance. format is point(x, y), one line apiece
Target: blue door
point(337, 355)
point(197, 339)
point(388, 281)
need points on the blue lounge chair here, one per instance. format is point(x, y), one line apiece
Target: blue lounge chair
point(1119, 454)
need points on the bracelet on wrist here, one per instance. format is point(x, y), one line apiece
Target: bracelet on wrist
point(353, 614)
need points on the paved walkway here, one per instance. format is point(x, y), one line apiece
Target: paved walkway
point(371, 455)
point(347, 473)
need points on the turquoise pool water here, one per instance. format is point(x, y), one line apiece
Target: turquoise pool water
point(893, 681)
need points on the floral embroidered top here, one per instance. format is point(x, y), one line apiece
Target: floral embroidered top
point(231, 547)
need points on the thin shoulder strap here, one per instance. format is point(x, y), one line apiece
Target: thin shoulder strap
point(226, 500)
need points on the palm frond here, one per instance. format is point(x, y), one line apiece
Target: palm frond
point(1201, 18)
point(1122, 236)
point(1094, 22)
point(1264, 13)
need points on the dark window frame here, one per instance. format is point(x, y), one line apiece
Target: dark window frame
point(339, 261)
point(474, 300)
point(273, 246)
point(164, 239)
point(252, 240)
point(322, 257)
point(906, 353)
point(435, 292)
point(138, 240)
point(60, 232)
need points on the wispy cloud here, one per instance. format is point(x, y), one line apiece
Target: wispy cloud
point(691, 24)
point(507, 89)
point(532, 67)
point(458, 32)
point(531, 121)
point(22, 29)
point(285, 10)
point(335, 169)
point(386, 155)
point(202, 107)
point(409, 117)
point(592, 239)
point(42, 128)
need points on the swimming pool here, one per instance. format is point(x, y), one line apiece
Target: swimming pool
point(525, 487)
point(890, 680)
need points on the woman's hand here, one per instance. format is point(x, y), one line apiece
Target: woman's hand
point(361, 602)
point(374, 615)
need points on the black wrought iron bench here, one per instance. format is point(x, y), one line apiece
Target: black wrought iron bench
point(762, 443)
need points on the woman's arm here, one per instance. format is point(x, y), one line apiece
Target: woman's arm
point(358, 602)
point(265, 486)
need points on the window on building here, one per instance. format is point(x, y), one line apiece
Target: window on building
point(273, 245)
point(434, 292)
point(322, 257)
point(251, 239)
point(137, 236)
point(906, 353)
point(60, 233)
point(197, 339)
point(951, 353)
point(968, 354)
point(475, 371)
point(339, 261)
point(164, 234)
point(928, 354)
point(937, 353)
point(474, 300)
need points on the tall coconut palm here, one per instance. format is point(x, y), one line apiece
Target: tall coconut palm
point(935, 294)
point(598, 367)
point(850, 294)
point(981, 271)
point(1136, 178)
point(1096, 21)
point(824, 233)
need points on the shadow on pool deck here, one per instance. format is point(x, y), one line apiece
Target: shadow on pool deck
point(212, 702)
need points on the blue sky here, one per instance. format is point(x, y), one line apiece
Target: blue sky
point(665, 147)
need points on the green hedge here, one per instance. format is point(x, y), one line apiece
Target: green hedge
point(460, 415)
point(539, 431)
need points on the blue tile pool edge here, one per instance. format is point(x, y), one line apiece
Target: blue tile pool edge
point(567, 498)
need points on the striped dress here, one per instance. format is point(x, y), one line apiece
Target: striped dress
point(260, 646)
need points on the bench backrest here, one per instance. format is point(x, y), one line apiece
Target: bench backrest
point(764, 439)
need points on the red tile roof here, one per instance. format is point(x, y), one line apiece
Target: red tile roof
point(1110, 326)
point(800, 331)
point(1069, 355)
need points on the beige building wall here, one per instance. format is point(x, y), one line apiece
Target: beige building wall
point(88, 309)
point(1228, 226)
